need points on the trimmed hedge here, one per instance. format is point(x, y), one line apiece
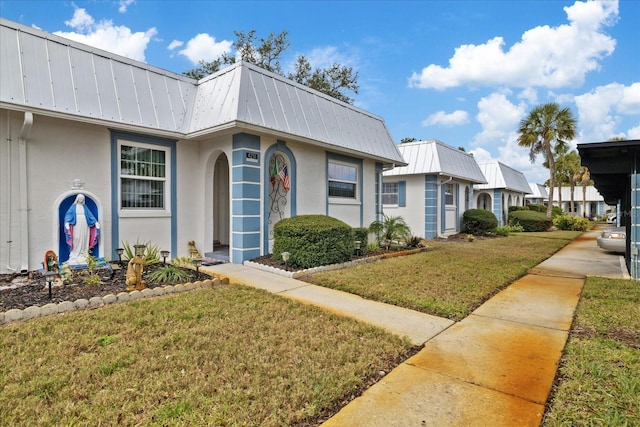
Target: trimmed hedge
point(530, 220)
point(313, 240)
point(479, 221)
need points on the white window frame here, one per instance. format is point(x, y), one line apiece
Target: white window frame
point(166, 180)
point(450, 194)
point(390, 194)
point(355, 183)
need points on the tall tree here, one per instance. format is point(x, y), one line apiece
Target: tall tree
point(546, 130)
point(585, 181)
point(335, 81)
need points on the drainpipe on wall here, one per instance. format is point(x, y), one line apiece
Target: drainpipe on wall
point(24, 208)
point(9, 194)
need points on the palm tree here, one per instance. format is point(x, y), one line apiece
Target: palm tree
point(574, 173)
point(546, 130)
point(585, 180)
point(389, 229)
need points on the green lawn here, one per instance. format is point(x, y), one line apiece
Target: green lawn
point(599, 376)
point(225, 356)
point(452, 278)
point(238, 356)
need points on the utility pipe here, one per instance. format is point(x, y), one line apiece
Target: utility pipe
point(24, 200)
point(9, 194)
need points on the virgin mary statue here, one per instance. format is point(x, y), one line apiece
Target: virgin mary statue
point(81, 230)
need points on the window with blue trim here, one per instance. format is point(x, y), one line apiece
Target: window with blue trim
point(143, 176)
point(343, 180)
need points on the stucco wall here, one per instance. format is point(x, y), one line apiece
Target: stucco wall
point(57, 152)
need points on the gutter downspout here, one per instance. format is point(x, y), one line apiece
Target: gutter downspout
point(24, 207)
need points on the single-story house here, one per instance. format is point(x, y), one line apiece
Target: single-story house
point(538, 195)
point(503, 187)
point(613, 166)
point(166, 159)
point(593, 201)
point(434, 190)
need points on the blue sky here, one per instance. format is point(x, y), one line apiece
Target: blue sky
point(463, 72)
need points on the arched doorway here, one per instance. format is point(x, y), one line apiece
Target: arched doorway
point(484, 202)
point(217, 210)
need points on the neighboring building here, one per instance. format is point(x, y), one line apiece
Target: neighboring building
point(166, 159)
point(614, 171)
point(593, 205)
point(538, 195)
point(504, 187)
point(432, 192)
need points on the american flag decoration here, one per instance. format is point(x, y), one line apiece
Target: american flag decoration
point(284, 177)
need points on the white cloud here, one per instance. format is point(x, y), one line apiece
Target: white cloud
point(601, 110)
point(498, 117)
point(81, 20)
point(529, 95)
point(545, 56)
point(323, 57)
point(175, 44)
point(203, 47)
point(634, 133)
point(481, 155)
point(458, 117)
point(124, 4)
point(105, 35)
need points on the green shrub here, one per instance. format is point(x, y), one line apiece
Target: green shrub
point(508, 229)
point(151, 253)
point(537, 208)
point(479, 222)
point(572, 223)
point(530, 220)
point(518, 208)
point(362, 234)
point(313, 240)
point(169, 274)
point(390, 229)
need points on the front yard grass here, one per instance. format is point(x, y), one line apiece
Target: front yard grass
point(231, 355)
point(452, 278)
point(599, 376)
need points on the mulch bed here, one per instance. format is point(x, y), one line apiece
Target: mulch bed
point(33, 289)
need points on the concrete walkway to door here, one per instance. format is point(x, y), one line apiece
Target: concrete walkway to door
point(494, 368)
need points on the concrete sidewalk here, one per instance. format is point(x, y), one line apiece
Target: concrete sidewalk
point(494, 368)
point(418, 327)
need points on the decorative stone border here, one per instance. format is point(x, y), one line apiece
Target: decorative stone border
point(94, 302)
point(299, 273)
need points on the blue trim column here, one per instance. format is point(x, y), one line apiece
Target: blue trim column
point(457, 199)
point(635, 224)
point(245, 198)
point(497, 205)
point(379, 179)
point(430, 206)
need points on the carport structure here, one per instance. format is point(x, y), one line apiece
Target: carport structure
point(615, 171)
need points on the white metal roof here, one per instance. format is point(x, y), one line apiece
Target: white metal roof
point(436, 157)
point(51, 75)
point(592, 194)
point(499, 175)
point(538, 191)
